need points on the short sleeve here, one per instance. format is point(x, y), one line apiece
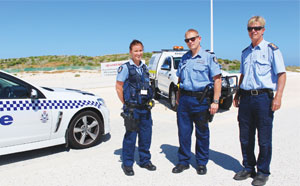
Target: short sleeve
point(278, 63)
point(214, 66)
point(122, 73)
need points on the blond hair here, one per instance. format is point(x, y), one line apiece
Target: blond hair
point(259, 19)
point(191, 30)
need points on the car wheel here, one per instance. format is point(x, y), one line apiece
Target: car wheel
point(85, 130)
point(155, 92)
point(226, 104)
point(172, 98)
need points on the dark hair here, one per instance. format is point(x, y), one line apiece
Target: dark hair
point(135, 42)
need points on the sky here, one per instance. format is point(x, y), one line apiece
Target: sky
point(96, 28)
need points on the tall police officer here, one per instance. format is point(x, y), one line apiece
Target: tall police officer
point(196, 70)
point(134, 91)
point(262, 72)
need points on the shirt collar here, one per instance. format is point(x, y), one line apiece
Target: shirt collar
point(261, 45)
point(132, 63)
point(200, 53)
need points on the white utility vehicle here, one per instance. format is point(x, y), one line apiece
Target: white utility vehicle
point(162, 68)
point(33, 117)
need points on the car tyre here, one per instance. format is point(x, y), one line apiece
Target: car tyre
point(155, 92)
point(172, 98)
point(227, 103)
point(85, 130)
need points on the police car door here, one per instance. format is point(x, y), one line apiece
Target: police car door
point(22, 118)
point(164, 75)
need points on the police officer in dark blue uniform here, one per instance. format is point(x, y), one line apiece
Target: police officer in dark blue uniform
point(134, 91)
point(197, 69)
point(262, 72)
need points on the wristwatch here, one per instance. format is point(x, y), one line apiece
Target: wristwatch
point(216, 101)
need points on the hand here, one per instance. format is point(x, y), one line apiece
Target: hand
point(276, 103)
point(213, 108)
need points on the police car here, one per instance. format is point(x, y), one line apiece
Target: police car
point(33, 117)
point(162, 68)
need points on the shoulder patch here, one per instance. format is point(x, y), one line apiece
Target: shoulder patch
point(272, 46)
point(215, 59)
point(120, 69)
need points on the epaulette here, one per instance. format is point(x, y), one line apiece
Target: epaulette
point(245, 49)
point(209, 51)
point(273, 46)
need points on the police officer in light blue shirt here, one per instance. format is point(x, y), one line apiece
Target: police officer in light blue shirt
point(197, 69)
point(262, 72)
point(134, 91)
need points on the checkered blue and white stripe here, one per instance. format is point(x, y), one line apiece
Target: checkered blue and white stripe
point(22, 105)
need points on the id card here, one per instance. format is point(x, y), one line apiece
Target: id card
point(144, 92)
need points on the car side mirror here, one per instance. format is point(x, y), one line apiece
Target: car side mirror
point(33, 94)
point(165, 67)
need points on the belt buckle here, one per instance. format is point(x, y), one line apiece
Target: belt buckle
point(254, 92)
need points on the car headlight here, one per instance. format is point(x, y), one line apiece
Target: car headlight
point(225, 82)
point(231, 82)
point(101, 101)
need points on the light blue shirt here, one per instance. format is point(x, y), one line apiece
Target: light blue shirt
point(198, 71)
point(260, 66)
point(123, 70)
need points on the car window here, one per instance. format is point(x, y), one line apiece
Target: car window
point(12, 90)
point(176, 62)
point(167, 63)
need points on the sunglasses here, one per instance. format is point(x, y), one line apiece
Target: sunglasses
point(191, 39)
point(257, 28)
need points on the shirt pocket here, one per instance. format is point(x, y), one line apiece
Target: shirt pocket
point(262, 67)
point(199, 72)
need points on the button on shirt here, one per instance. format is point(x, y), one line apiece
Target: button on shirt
point(198, 71)
point(260, 66)
point(123, 74)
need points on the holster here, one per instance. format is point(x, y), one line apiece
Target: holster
point(208, 94)
point(131, 124)
point(271, 94)
point(206, 117)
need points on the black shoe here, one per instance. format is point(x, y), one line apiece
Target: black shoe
point(128, 171)
point(149, 166)
point(244, 174)
point(179, 168)
point(201, 169)
point(260, 180)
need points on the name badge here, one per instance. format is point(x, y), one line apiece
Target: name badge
point(144, 92)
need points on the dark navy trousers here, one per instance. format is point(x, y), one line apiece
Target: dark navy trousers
point(190, 111)
point(144, 139)
point(255, 114)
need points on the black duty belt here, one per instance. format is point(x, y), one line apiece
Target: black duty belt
point(255, 92)
point(191, 93)
point(132, 105)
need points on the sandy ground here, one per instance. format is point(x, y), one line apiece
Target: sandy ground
point(101, 165)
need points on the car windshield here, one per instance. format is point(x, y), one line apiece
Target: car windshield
point(176, 61)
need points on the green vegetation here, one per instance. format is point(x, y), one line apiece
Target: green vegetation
point(39, 62)
point(229, 65)
point(34, 63)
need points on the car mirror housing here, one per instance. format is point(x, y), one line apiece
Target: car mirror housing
point(33, 94)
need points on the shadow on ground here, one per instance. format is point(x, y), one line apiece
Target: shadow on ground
point(223, 160)
point(32, 154)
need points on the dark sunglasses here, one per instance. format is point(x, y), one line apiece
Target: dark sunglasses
point(192, 39)
point(256, 28)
